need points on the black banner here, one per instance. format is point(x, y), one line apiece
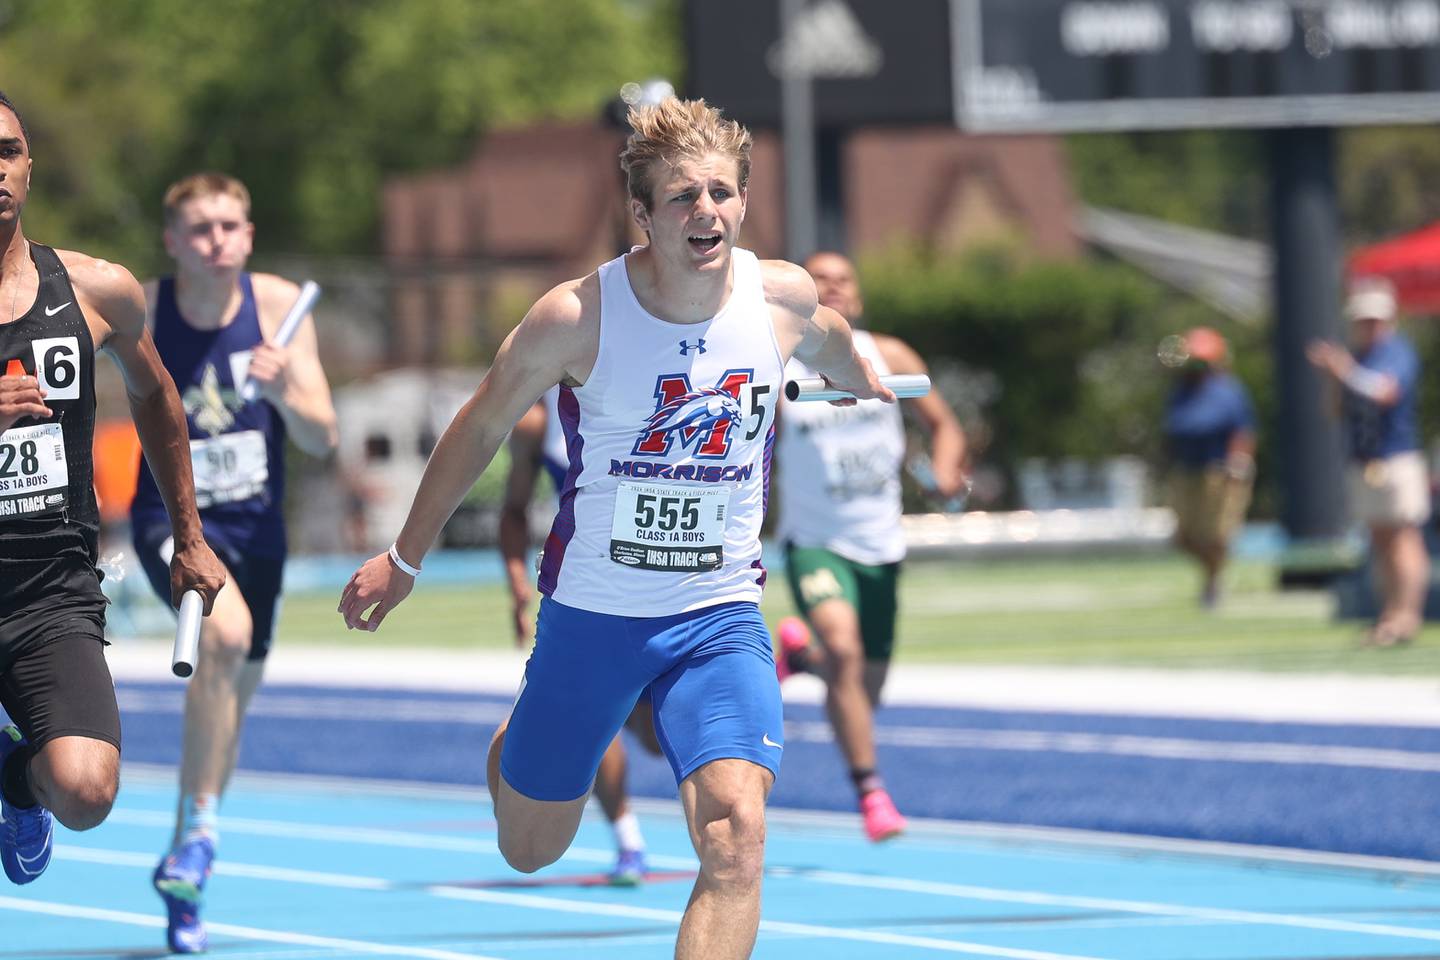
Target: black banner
point(1058, 65)
point(1030, 65)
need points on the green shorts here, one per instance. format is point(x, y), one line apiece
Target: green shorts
point(817, 575)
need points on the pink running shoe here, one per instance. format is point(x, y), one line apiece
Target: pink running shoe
point(882, 820)
point(794, 639)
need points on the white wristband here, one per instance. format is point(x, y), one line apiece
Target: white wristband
point(399, 561)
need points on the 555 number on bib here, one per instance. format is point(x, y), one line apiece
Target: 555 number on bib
point(666, 527)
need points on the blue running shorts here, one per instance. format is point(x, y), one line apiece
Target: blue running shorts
point(711, 678)
point(259, 579)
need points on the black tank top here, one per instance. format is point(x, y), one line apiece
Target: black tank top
point(47, 492)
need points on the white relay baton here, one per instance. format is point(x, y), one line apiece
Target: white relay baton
point(903, 385)
point(187, 634)
point(304, 303)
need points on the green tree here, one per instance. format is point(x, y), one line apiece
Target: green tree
point(312, 104)
point(1063, 356)
point(1214, 180)
point(1390, 181)
point(1388, 178)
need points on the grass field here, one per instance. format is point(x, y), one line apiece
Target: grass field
point(1121, 612)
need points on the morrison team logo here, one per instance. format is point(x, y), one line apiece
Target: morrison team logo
point(701, 419)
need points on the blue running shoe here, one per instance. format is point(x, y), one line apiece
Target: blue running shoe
point(180, 881)
point(25, 835)
point(630, 869)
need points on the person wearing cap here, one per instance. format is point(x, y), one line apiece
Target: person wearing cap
point(1210, 429)
point(1378, 379)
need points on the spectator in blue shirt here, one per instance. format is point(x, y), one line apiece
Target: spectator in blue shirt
point(1378, 379)
point(1210, 427)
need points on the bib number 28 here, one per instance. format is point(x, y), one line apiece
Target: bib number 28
point(19, 459)
point(33, 474)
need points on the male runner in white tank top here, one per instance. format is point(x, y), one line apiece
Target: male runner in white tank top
point(839, 501)
point(670, 360)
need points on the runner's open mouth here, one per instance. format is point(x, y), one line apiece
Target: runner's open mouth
point(705, 242)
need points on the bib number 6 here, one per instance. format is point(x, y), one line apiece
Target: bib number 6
point(666, 513)
point(57, 367)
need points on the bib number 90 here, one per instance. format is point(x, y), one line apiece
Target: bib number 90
point(222, 461)
point(666, 513)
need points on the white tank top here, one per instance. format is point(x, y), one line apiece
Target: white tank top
point(839, 482)
point(669, 445)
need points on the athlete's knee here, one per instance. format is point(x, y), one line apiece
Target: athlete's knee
point(227, 642)
point(530, 847)
point(81, 794)
point(88, 805)
point(732, 842)
point(845, 662)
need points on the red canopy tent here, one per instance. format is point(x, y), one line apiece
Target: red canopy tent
point(1411, 261)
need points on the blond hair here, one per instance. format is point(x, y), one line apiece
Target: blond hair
point(203, 185)
point(676, 129)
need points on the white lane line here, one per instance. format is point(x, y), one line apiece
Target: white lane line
point(811, 930)
point(559, 904)
point(288, 706)
point(1212, 914)
point(838, 878)
point(1128, 745)
point(926, 830)
point(867, 881)
point(233, 930)
point(125, 858)
point(915, 737)
point(382, 838)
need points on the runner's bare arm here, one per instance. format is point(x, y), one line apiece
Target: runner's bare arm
point(947, 437)
point(557, 341)
point(115, 304)
point(291, 377)
point(816, 334)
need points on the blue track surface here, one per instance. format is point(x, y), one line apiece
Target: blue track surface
point(334, 870)
point(1368, 790)
point(350, 867)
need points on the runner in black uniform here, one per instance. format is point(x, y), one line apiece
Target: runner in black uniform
point(62, 755)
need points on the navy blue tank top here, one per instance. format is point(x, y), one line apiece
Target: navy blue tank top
point(237, 448)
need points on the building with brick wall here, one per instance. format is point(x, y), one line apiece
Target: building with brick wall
point(470, 247)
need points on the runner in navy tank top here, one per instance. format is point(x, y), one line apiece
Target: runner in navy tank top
point(237, 447)
point(669, 361)
point(212, 323)
point(60, 758)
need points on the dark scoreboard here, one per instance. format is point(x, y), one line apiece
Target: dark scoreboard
point(1060, 65)
point(1130, 64)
